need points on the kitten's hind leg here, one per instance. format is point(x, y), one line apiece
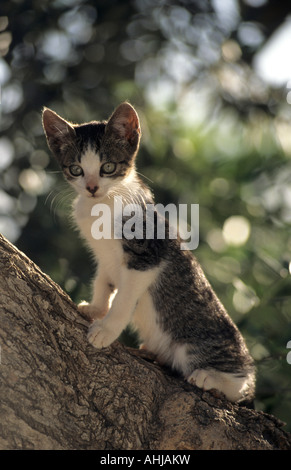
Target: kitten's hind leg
point(234, 386)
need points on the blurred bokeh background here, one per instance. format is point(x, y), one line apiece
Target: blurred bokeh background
point(211, 80)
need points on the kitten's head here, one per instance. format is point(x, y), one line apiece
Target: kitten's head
point(95, 156)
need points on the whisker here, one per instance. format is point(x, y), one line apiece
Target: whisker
point(144, 176)
point(59, 197)
point(48, 196)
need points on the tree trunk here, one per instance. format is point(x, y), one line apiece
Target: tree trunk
point(58, 392)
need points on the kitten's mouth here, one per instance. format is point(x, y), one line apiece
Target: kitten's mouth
point(95, 196)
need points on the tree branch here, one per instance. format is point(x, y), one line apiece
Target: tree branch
point(58, 392)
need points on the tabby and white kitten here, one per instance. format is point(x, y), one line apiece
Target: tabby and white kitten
point(151, 283)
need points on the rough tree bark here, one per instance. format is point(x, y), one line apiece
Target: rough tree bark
point(58, 392)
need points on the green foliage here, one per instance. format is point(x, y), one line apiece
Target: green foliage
point(202, 143)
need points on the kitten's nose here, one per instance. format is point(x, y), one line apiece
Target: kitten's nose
point(92, 189)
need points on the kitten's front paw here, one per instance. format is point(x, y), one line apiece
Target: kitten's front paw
point(89, 311)
point(100, 336)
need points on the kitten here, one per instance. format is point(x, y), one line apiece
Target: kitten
point(150, 283)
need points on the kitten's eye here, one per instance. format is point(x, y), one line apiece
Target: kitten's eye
point(76, 170)
point(108, 168)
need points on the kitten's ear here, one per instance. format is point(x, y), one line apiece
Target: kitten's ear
point(58, 131)
point(124, 123)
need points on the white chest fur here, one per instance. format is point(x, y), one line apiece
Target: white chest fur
point(108, 252)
